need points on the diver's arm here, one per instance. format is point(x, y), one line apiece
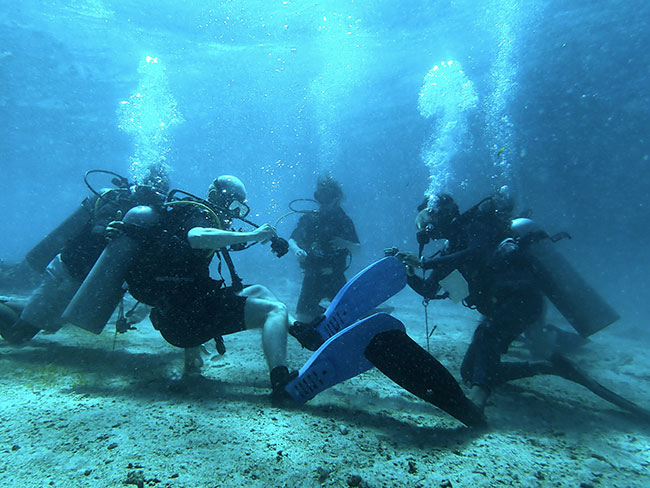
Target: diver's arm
point(293, 245)
point(340, 243)
point(480, 243)
point(210, 238)
point(427, 288)
point(448, 262)
point(300, 253)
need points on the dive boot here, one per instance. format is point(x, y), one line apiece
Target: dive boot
point(280, 377)
point(12, 329)
point(307, 334)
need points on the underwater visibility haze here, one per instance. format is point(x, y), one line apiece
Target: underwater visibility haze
point(395, 99)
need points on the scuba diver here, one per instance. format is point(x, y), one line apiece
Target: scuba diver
point(163, 253)
point(504, 268)
point(323, 242)
point(500, 284)
point(66, 255)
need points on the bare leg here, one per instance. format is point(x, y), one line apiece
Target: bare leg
point(264, 311)
point(479, 396)
point(17, 304)
point(193, 360)
point(260, 291)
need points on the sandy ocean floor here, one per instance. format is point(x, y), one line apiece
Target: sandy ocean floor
point(78, 410)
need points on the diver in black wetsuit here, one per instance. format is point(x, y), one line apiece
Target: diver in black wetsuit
point(170, 272)
point(83, 240)
point(323, 241)
point(500, 282)
point(508, 267)
point(502, 286)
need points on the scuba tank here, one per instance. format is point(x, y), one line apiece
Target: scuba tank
point(42, 253)
point(574, 298)
point(101, 291)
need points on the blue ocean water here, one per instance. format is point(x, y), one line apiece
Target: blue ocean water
point(394, 98)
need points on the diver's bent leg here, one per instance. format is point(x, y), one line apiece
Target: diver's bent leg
point(537, 339)
point(272, 317)
point(261, 291)
point(310, 296)
point(510, 371)
point(481, 361)
point(401, 359)
point(8, 326)
point(480, 391)
point(49, 300)
point(493, 337)
point(193, 360)
point(467, 366)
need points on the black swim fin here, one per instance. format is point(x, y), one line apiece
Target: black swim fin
point(401, 359)
point(564, 368)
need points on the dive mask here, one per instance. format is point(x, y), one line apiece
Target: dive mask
point(239, 209)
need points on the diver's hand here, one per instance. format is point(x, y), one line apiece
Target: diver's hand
point(391, 251)
point(264, 233)
point(301, 255)
point(409, 259)
point(115, 228)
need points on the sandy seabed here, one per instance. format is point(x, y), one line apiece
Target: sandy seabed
point(78, 410)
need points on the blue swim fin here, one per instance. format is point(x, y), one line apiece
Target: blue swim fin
point(359, 296)
point(341, 357)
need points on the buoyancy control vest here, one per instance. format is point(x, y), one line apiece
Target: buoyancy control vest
point(167, 270)
point(84, 248)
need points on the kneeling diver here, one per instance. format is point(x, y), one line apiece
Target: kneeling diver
point(505, 266)
point(67, 254)
point(163, 254)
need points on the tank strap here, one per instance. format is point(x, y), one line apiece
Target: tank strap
point(559, 236)
point(236, 281)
